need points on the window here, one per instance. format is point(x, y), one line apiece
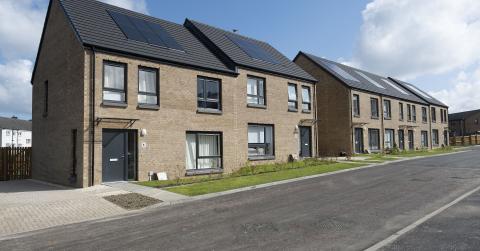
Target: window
point(424, 115)
point(475, 121)
point(409, 112)
point(374, 107)
point(445, 116)
point(374, 139)
point(389, 138)
point(260, 140)
point(208, 93)
point(387, 110)
point(306, 101)
point(7, 132)
point(45, 99)
point(435, 137)
point(434, 115)
point(292, 97)
point(414, 113)
point(256, 91)
point(356, 105)
point(424, 135)
point(148, 86)
point(400, 105)
point(114, 82)
point(204, 150)
point(27, 141)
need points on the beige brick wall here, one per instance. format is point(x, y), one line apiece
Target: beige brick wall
point(333, 111)
point(167, 126)
point(60, 62)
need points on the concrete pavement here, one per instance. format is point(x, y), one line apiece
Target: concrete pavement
point(347, 211)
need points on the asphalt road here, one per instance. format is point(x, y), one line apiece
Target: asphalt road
point(347, 211)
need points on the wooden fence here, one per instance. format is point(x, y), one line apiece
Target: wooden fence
point(15, 163)
point(465, 140)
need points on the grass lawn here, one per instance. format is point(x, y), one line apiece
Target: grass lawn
point(250, 176)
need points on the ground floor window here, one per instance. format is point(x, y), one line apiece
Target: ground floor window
point(204, 150)
point(389, 138)
point(260, 140)
point(374, 139)
point(435, 137)
point(424, 135)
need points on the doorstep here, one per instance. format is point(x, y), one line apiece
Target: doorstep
point(156, 193)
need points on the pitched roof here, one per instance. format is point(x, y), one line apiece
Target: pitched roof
point(420, 93)
point(237, 50)
point(95, 27)
point(363, 80)
point(17, 124)
point(462, 115)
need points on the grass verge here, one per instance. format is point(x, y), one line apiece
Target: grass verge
point(230, 183)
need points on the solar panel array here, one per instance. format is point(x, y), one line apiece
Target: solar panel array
point(252, 49)
point(144, 31)
point(395, 86)
point(370, 80)
point(341, 72)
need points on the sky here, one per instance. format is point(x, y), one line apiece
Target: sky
point(433, 44)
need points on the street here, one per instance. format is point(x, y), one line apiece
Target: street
point(347, 211)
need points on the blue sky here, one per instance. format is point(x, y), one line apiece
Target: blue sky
point(433, 44)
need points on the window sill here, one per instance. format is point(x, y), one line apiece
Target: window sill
point(387, 118)
point(114, 104)
point(203, 171)
point(356, 116)
point(209, 111)
point(261, 157)
point(148, 107)
point(376, 118)
point(292, 110)
point(306, 111)
point(257, 106)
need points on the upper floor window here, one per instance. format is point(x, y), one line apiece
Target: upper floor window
point(424, 114)
point(409, 112)
point(445, 116)
point(256, 91)
point(148, 86)
point(114, 82)
point(208, 93)
point(306, 101)
point(401, 115)
point(387, 109)
point(434, 115)
point(356, 105)
point(292, 97)
point(374, 107)
point(414, 113)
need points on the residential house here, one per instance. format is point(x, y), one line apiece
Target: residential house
point(358, 111)
point(464, 123)
point(15, 132)
point(118, 95)
point(437, 115)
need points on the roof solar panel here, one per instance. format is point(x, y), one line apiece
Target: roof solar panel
point(144, 31)
point(341, 72)
point(395, 86)
point(168, 40)
point(252, 49)
point(420, 92)
point(127, 27)
point(370, 80)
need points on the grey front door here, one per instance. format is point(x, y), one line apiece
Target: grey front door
point(305, 141)
point(401, 139)
point(358, 140)
point(114, 152)
point(410, 140)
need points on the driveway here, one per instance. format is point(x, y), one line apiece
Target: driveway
point(28, 205)
point(347, 211)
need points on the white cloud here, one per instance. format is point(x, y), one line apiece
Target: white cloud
point(135, 5)
point(409, 38)
point(15, 88)
point(464, 94)
point(21, 23)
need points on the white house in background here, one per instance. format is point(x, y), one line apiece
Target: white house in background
point(15, 132)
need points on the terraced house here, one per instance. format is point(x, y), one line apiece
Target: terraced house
point(358, 111)
point(118, 95)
